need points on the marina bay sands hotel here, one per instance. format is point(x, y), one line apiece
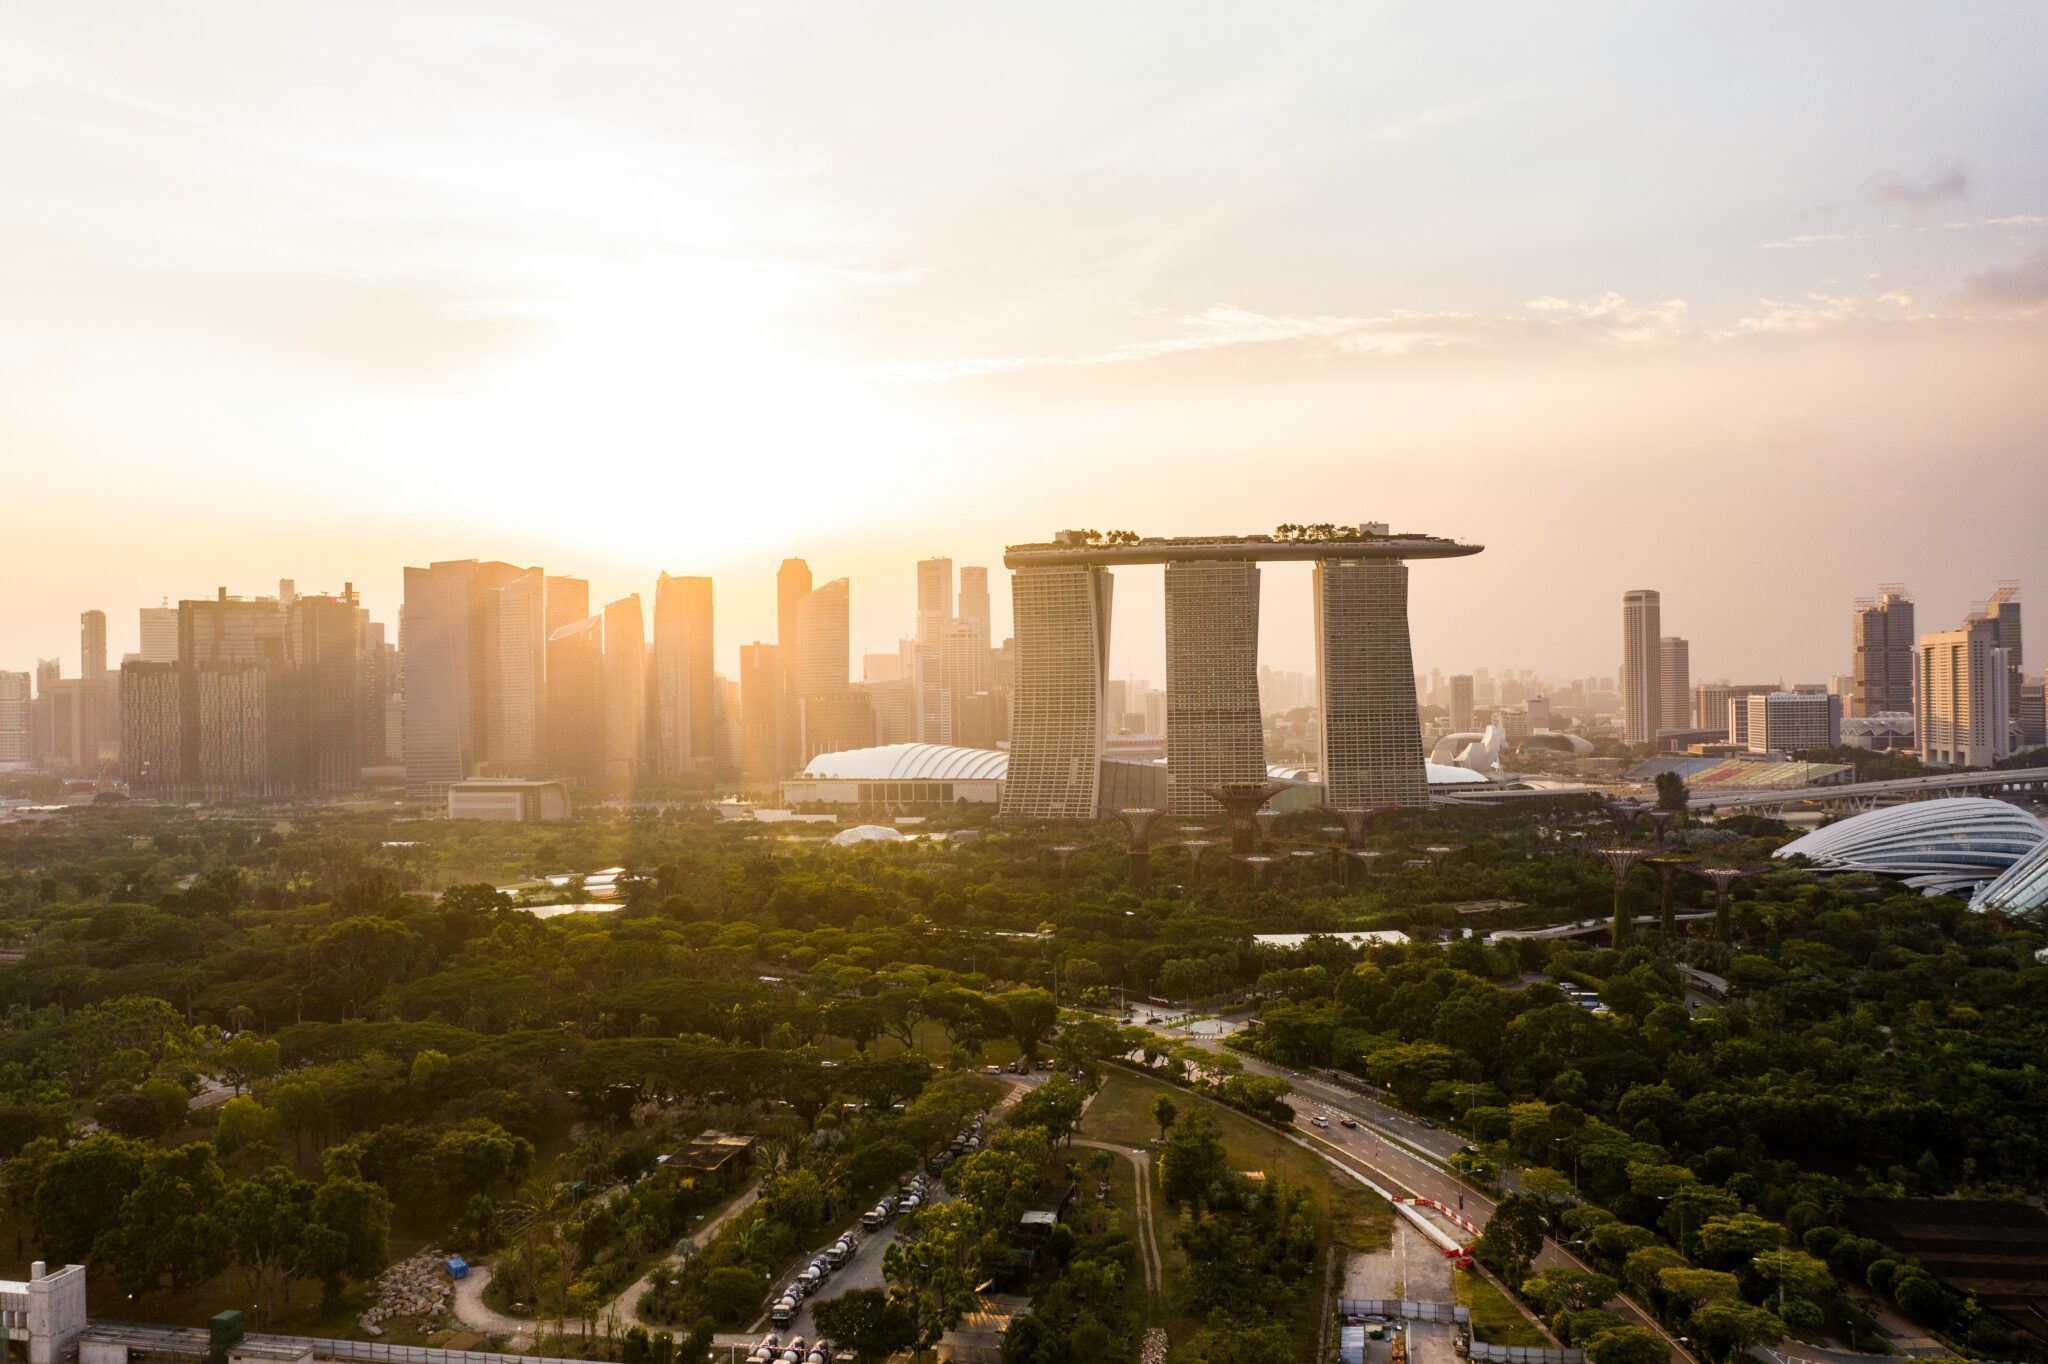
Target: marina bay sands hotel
point(1371, 735)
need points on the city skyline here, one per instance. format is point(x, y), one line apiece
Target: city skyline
point(1391, 260)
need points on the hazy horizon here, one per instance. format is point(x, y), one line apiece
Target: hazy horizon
point(1740, 303)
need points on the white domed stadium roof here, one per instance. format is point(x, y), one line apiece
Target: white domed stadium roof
point(866, 833)
point(1938, 846)
point(910, 762)
point(944, 762)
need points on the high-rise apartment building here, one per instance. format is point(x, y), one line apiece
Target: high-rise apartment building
point(823, 651)
point(576, 716)
point(1965, 712)
point(2002, 609)
point(153, 723)
point(1711, 703)
point(625, 688)
point(1674, 667)
point(929, 693)
point(16, 729)
point(685, 706)
point(1642, 674)
point(1882, 638)
point(1213, 731)
point(1461, 703)
point(1792, 722)
point(974, 605)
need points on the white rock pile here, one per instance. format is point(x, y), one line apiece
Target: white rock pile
point(1153, 1351)
point(417, 1286)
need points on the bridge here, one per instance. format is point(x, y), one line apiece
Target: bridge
point(1848, 797)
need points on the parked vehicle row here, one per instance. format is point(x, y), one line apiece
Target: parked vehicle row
point(773, 1350)
point(966, 1144)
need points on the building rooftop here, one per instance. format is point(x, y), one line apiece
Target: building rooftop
point(1348, 543)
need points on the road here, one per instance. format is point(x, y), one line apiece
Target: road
point(1401, 1155)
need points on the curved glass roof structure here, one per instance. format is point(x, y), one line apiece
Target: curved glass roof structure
point(911, 762)
point(2020, 887)
point(1940, 847)
point(943, 762)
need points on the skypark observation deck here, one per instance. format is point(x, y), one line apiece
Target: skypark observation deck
point(1233, 549)
point(1061, 593)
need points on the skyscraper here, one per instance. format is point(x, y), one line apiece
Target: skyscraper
point(1213, 732)
point(1371, 734)
point(445, 632)
point(763, 704)
point(1793, 721)
point(2002, 609)
point(1461, 703)
point(929, 693)
point(323, 643)
point(1642, 678)
point(685, 705)
point(1881, 666)
point(576, 716)
point(1674, 664)
point(823, 649)
point(1062, 624)
point(159, 634)
point(1965, 710)
point(625, 688)
point(16, 730)
point(92, 645)
point(515, 677)
point(153, 721)
point(792, 585)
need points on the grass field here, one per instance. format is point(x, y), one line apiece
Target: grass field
point(1495, 1317)
point(1352, 1217)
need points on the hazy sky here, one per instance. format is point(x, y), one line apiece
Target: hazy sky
point(1741, 302)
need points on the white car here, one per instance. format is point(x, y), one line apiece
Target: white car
point(1320, 1121)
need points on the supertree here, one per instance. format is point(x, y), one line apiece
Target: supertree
point(1723, 880)
point(1261, 863)
point(1439, 853)
point(1138, 822)
point(1064, 852)
point(1355, 820)
point(1621, 860)
point(1667, 866)
point(1241, 802)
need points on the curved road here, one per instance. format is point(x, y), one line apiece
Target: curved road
point(1141, 1185)
point(1398, 1152)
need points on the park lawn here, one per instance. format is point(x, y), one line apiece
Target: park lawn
point(1495, 1317)
point(1353, 1217)
point(1122, 1112)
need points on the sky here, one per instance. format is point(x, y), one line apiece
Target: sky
point(1747, 303)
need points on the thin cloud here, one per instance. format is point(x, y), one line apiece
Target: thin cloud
point(2021, 285)
point(1946, 181)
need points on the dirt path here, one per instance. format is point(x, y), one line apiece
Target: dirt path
point(472, 1312)
point(626, 1307)
point(1141, 1184)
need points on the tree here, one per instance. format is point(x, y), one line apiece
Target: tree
point(927, 1267)
point(1569, 1290)
point(1741, 1237)
point(246, 1058)
point(868, 1322)
point(1735, 1326)
point(1671, 792)
point(363, 955)
point(1194, 1162)
point(170, 1225)
point(1796, 1273)
point(145, 1112)
point(1164, 1111)
point(1545, 1182)
point(352, 1222)
point(1513, 1235)
point(267, 1219)
point(243, 1124)
point(1055, 1105)
point(1029, 1014)
point(1695, 1287)
point(79, 1193)
point(1627, 1345)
